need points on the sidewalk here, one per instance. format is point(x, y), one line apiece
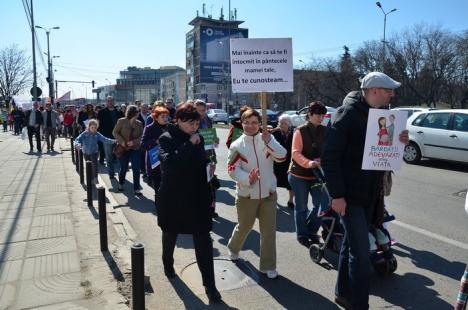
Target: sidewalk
point(50, 256)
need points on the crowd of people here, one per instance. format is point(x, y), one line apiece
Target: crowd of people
point(163, 143)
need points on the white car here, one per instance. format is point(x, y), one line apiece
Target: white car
point(299, 117)
point(412, 110)
point(438, 134)
point(218, 115)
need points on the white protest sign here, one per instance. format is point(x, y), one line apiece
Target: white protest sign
point(383, 149)
point(261, 65)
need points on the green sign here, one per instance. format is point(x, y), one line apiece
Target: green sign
point(236, 133)
point(210, 137)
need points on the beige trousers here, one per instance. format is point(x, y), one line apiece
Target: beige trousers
point(247, 211)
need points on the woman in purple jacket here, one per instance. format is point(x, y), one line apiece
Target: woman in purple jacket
point(150, 140)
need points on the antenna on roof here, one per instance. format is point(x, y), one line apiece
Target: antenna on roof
point(197, 13)
point(222, 15)
point(204, 10)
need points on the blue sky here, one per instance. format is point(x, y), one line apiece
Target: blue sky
point(99, 38)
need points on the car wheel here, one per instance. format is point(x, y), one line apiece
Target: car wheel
point(412, 153)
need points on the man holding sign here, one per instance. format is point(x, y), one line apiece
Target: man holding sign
point(356, 194)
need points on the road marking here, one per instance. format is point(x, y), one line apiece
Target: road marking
point(431, 235)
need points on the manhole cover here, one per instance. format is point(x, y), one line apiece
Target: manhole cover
point(229, 275)
point(461, 194)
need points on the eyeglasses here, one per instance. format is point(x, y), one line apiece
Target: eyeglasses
point(251, 123)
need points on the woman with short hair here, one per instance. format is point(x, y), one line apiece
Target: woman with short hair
point(250, 164)
point(283, 134)
point(307, 145)
point(184, 197)
point(128, 132)
point(150, 139)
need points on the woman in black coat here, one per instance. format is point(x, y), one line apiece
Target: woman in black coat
point(184, 196)
point(284, 134)
point(149, 140)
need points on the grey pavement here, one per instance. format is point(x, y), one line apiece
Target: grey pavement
point(49, 239)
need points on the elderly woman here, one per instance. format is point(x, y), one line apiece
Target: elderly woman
point(250, 164)
point(184, 196)
point(307, 147)
point(128, 132)
point(284, 134)
point(150, 139)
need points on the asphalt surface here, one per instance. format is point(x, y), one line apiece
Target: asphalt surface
point(431, 249)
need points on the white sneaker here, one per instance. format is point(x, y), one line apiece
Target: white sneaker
point(233, 256)
point(271, 274)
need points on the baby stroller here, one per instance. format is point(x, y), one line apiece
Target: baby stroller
point(381, 255)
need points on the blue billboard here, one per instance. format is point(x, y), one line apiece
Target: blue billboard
point(214, 52)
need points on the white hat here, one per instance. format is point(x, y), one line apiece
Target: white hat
point(379, 80)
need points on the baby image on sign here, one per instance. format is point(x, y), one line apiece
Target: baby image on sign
point(383, 150)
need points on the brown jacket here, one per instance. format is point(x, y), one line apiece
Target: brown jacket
point(123, 129)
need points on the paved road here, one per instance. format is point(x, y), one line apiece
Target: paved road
point(432, 249)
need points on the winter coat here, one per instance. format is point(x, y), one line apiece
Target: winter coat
point(106, 124)
point(183, 199)
point(89, 142)
point(342, 159)
point(150, 139)
point(39, 119)
point(125, 131)
point(54, 118)
point(250, 152)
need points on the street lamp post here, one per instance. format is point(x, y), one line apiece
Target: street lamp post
point(384, 28)
point(49, 69)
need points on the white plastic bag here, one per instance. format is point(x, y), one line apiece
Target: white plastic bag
point(24, 133)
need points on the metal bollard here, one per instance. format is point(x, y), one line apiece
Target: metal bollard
point(138, 276)
point(89, 182)
point(72, 142)
point(102, 218)
point(77, 160)
point(81, 166)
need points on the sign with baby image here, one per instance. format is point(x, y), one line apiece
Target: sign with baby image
point(383, 149)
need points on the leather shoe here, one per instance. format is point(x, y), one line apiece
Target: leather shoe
point(213, 295)
point(343, 302)
point(304, 240)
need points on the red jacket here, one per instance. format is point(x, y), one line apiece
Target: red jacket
point(67, 119)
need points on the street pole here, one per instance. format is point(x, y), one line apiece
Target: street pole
point(34, 54)
point(51, 92)
point(384, 42)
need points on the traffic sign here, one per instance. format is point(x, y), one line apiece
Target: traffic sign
point(39, 91)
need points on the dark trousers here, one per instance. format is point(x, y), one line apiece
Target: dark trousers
point(133, 157)
point(203, 251)
point(50, 134)
point(155, 183)
point(34, 131)
point(102, 154)
point(354, 262)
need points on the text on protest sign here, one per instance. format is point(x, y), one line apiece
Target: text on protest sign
point(383, 149)
point(261, 65)
point(153, 156)
point(210, 137)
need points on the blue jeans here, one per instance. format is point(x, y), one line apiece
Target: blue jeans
point(307, 222)
point(133, 157)
point(110, 158)
point(354, 263)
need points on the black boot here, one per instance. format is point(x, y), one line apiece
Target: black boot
point(213, 295)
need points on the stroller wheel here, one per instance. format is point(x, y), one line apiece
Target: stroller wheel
point(316, 253)
point(393, 264)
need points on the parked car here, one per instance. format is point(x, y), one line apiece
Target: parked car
point(299, 117)
point(438, 134)
point(412, 110)
point(272, 117)
point(218, 115)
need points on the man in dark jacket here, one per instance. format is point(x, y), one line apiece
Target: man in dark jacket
point(107, 118)
point(34, 121)
point(356, 194)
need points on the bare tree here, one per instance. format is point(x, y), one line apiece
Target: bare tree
point(15, 71)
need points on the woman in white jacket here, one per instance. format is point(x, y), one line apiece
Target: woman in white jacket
point(250, 164)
